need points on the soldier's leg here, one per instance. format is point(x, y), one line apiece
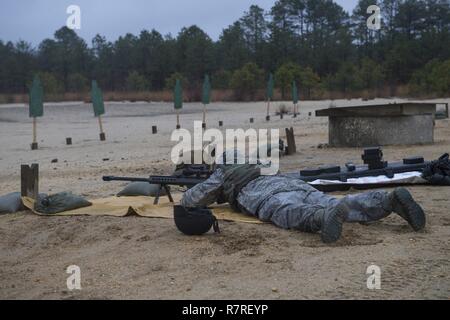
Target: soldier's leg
point(366, 207)
point(369, 206)
point(290, 210)
point(376, 205)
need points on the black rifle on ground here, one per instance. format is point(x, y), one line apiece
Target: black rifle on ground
point(374, 165)
point(185, 176)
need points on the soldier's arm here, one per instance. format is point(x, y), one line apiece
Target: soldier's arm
point(205, 193)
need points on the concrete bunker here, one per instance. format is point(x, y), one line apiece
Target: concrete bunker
point(380, 125)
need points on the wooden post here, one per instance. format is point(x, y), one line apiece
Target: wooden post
point(446, 110)
point(204, 117)
point(34, 130)
point(34, 144)
point(102, 134)
point(29, 180)
point(100, 124)
point(291, 147)
point(268, 110)
point(178, 119)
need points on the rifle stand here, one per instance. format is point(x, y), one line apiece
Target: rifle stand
point(169, 195)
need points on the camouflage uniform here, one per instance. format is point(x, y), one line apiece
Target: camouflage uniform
point(290, 203)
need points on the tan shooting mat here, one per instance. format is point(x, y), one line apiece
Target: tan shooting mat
point(141, 206)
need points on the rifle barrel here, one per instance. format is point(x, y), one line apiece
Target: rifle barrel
point(161, 180)
point(128, 179)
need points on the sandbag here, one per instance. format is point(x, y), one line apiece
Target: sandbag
point(60, 202)
point(11, 203)
point(136, 189)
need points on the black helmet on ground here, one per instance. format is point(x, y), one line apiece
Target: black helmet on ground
point(194, 221)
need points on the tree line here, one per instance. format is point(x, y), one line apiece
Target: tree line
point(314, 42)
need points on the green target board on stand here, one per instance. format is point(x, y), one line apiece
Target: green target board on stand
point(178, 96)
point(206, 93)
point(36, 98)
point(97, 100)
point(270, 85)
point(294, 92)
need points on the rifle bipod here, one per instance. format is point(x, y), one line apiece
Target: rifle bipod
point(158, 194)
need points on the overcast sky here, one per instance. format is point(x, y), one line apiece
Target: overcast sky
point(35, 20)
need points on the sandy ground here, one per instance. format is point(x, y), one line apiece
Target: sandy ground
point(132, 257)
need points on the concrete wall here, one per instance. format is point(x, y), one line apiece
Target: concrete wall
point(381, 131)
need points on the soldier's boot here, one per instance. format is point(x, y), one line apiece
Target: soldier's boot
point(328, 222)
point(404, 205)
point(331, 226)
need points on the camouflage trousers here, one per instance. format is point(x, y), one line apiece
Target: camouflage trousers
point(299, 207)
point(290, 203)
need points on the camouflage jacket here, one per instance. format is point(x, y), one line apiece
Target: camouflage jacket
point(251, 197)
